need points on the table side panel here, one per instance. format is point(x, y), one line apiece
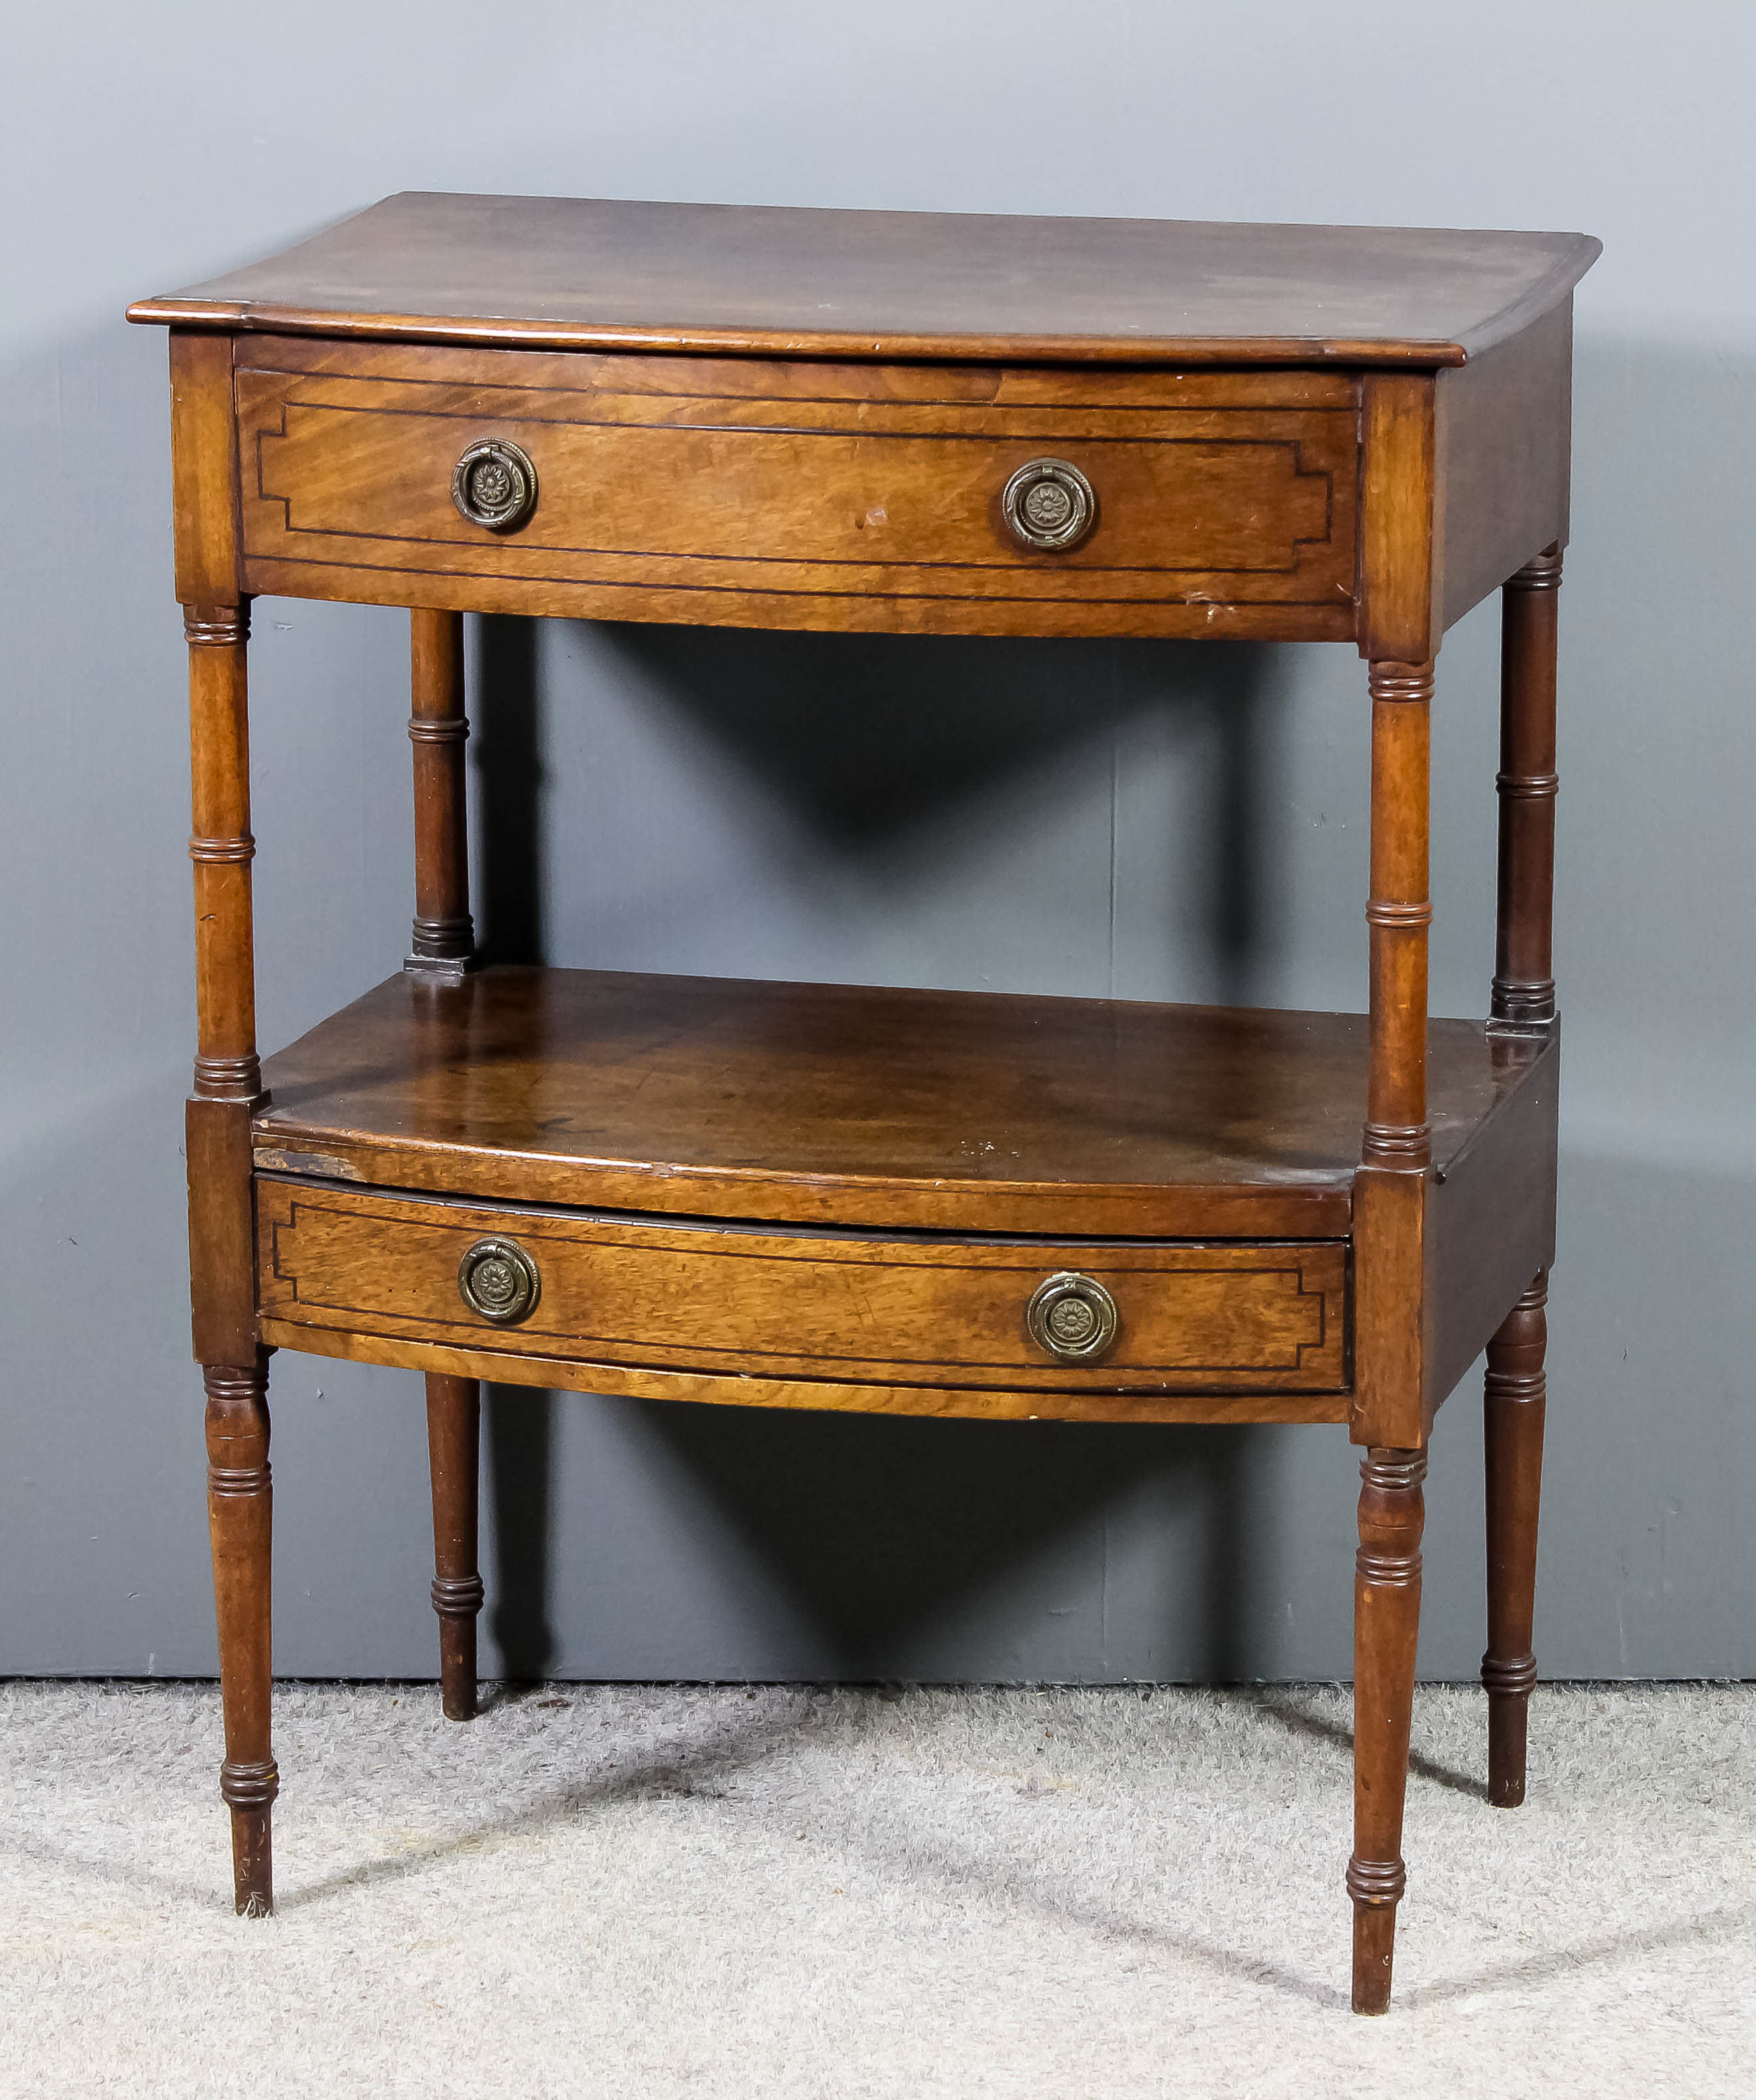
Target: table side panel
point(1503, 432)
point(1489, 1220)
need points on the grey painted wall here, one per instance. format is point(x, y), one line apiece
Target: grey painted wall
point(1143, 820)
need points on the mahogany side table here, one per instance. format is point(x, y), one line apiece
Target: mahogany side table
point(784, 1195)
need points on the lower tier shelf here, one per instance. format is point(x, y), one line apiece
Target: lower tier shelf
point(830, 1197)
point(845, 1104)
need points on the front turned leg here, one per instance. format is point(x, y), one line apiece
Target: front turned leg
point(454, 1436)
point(240, 1510)
point(1386, 1609)
point(1515, 1393)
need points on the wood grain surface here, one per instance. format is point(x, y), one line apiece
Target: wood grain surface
point(728, 499)
point(826, 1306)
point(562, 272)
point(836, 1104)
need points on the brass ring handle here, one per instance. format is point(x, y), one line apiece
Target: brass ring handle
point(1049, 505)
point(495, 484)
point(1072, 1317)
point(499, 1280)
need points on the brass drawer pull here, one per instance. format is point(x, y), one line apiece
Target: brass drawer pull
point(495, 484)
point(1072, 1317)
point(499, 1280)
point(1049, 505)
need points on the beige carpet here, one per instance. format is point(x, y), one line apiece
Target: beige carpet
point(643, 1892)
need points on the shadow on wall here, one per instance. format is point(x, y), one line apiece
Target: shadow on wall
point(874, 1525)
point(870, 738)
point(519, 1420)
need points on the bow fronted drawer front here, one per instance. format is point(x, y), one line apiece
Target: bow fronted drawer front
point(912, 498)
point(1058, 1321)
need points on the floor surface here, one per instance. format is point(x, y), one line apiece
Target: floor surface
point(645, 1892)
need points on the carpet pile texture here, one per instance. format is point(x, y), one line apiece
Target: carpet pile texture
point(654, 1891)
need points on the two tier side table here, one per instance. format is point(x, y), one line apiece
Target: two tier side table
point(797, 1196)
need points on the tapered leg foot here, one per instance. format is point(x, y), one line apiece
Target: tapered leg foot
point(454, 1434)
point(1387, 1604)
point(1515, 1399)
point(1374, 1942)
point(241, 1509)
point(253, 1865)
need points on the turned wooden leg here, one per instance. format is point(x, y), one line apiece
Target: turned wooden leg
point(1516, 1396)
point(442, 944)
point(1398, 1134)
point(240, 1510)
point(454, 1436)
point(1387, 1607)
point(1523, 972)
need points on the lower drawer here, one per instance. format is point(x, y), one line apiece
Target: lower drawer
point(767, 1302)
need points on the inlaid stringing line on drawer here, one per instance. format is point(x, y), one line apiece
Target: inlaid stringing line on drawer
point(1322, 1295)
point(1011, 562)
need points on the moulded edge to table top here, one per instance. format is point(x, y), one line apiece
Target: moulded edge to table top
point(487, 332)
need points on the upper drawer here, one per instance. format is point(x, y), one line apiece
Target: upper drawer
point(795, 495)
